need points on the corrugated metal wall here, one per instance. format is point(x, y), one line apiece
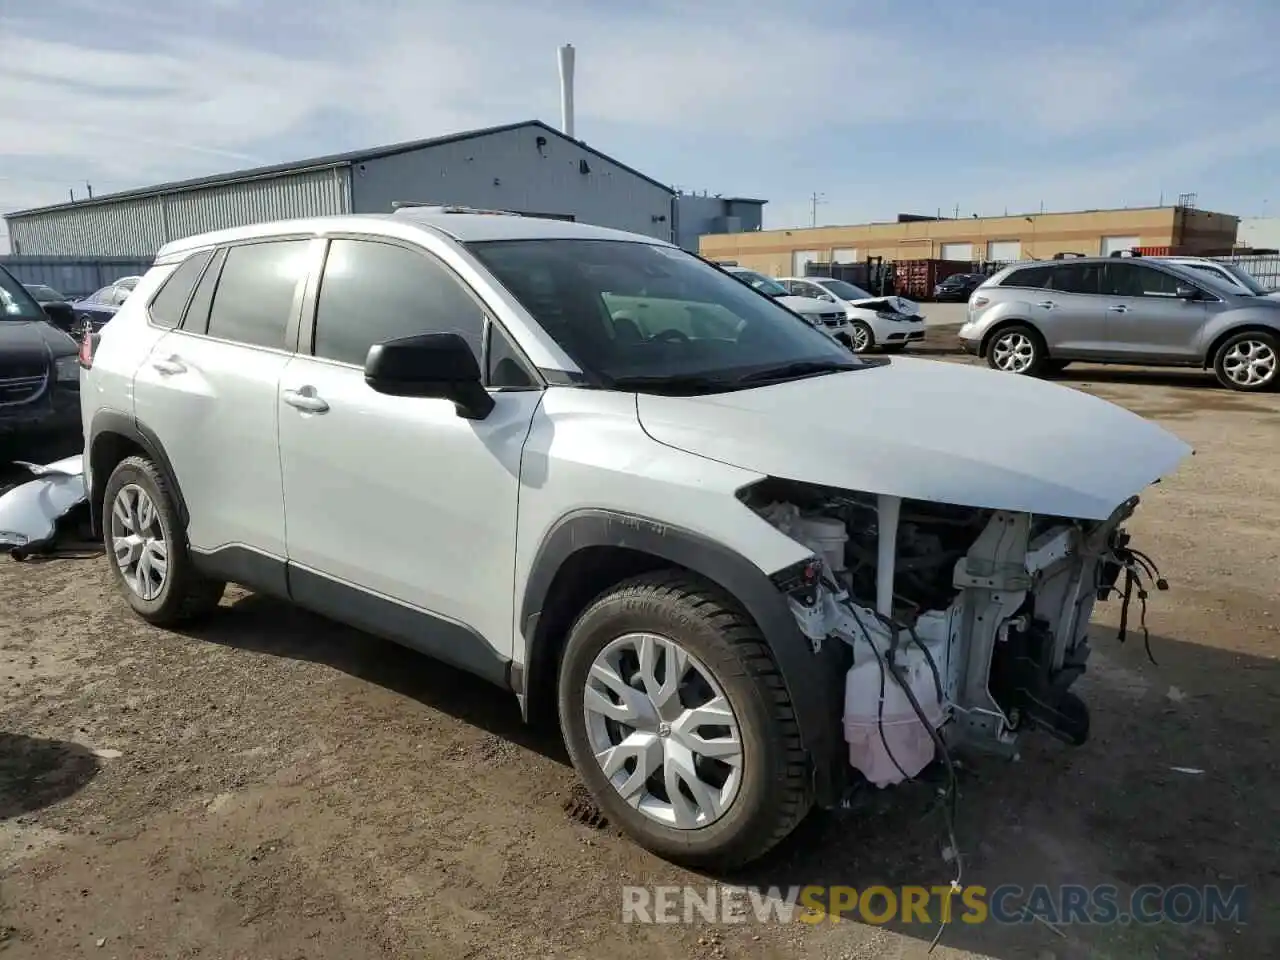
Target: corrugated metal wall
point(75, 276)
point(139, 227)
point(524, 170)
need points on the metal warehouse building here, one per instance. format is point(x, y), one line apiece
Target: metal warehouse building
point(1174, 229)
point(527, 167)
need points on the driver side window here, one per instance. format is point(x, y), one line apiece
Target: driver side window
point(373, 291)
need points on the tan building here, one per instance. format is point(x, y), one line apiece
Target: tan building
point(1022, 237)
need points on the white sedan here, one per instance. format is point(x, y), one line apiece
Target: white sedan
point(885, 323)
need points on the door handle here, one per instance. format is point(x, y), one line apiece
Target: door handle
point(169, 366)
point(1047, 304)
point(305, 399)
point(1118, 308)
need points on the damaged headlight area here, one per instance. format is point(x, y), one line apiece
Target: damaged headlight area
point(962, 625)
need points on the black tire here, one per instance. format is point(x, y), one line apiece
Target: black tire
point(861, 328)
point(1030, 339)
point(1254, 340)
point(774, 794)
point(185, 595)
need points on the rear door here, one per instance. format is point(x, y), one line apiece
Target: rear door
point(1073, 320)
point(208, 392)
point(1146, 320)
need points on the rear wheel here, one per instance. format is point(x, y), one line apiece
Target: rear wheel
point(1249, 362)
point(1017, 349)
point(863, 339)
point(678, 722)
point(147, 547)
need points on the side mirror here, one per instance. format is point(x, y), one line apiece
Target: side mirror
point(429, 365)
point(827, 298)
point(1186, 292)
point(60, 315)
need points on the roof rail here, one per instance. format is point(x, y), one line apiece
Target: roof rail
point(398, 205)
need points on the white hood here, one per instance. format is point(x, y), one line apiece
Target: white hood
point(908, 308)
point(929, 430)
point(807, 305)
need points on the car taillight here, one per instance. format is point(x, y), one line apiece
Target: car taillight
point(86, 348)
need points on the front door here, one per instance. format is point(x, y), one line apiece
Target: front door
point(401, 514)
point(209, 388)
point(1146, 319)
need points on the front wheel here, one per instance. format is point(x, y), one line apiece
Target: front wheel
point(1017, 349)
point(677, 719)
point(1248, 361)
point(864, 340)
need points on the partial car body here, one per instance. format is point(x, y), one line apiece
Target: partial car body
point(833, 322)
point(39, 378)
point(957, 287)
point(1035, 318)
point(94, 311)
point(663, 517)
point(888, 324)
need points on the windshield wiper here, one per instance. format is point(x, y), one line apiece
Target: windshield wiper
point(800, 368)
point(675, 383)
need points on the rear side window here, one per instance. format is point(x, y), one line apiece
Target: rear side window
point(169, 304)
point(374, 291)
point(1076, 278)
point(255, 293)
point(1034, 277)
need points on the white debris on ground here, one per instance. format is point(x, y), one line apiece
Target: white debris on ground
point(30, 511)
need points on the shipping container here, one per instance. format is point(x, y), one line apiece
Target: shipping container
point(74, 277)
point(916, 279)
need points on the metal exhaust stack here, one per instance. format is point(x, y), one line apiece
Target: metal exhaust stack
point(566, 89)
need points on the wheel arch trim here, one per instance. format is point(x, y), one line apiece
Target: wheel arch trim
point(108, 423)
point(809, 678)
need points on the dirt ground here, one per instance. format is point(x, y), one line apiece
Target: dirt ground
point(277, 786)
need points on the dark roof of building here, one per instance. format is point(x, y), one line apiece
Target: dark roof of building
point(320, 163)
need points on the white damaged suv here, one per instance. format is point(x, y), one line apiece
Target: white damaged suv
point(743, 597)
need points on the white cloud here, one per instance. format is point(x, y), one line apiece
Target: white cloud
point(169, 93)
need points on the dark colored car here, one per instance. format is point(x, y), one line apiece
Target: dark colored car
point(39, 365)
point(56, 304)
point(101, 305)
point(958, 286)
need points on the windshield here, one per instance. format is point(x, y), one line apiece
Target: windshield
point(635, 311)
point(845, 291)
point(15, 302)
point(44, 294)
point(1242, 276)
point(762, 283)
point(1247, 279)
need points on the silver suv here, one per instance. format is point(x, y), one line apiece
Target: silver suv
point(1035, 318)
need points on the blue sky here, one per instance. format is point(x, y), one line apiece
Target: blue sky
point(883, 107)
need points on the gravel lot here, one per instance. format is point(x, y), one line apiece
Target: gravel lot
point(279, 786)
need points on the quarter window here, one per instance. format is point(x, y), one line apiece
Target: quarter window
point(1034, 277)
point(255, 292)
point(171, 301)
point(374, 291)
point(1076, 278)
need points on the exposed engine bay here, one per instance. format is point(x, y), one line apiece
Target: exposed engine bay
point(962, 625)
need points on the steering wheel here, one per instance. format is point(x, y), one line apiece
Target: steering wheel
point(670, 334)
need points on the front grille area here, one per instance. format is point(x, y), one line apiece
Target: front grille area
point(832, 319)
point(22, 389)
